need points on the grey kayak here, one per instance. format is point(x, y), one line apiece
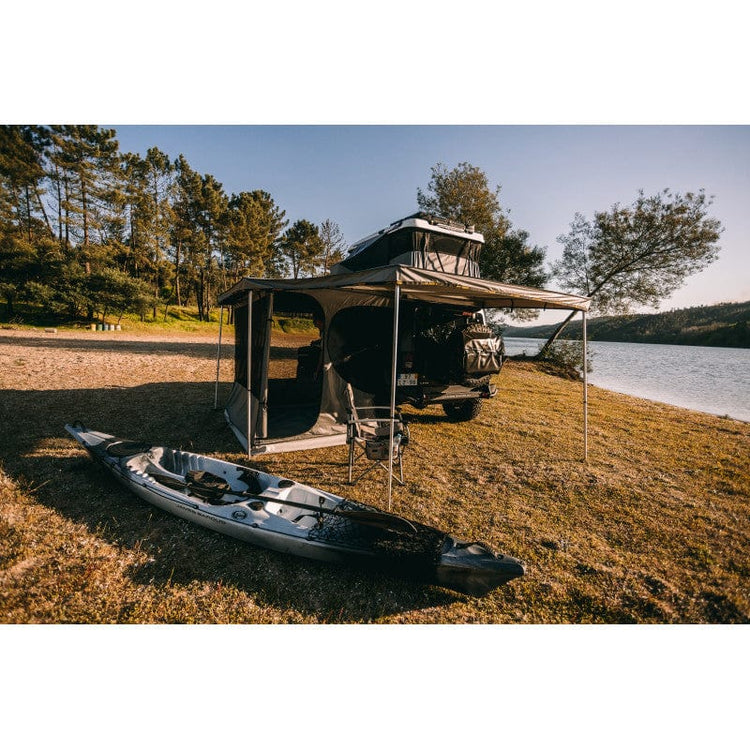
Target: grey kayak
point(285, 516)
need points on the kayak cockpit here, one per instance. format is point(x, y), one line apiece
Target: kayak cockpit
point(219, 483)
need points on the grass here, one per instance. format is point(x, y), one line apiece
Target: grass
point(653, 529)
point(178, 320)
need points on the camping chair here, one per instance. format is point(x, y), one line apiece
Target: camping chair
point(368, 435)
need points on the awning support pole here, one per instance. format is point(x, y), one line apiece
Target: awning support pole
point(396, 302)
point(585, 392)
point(250, 374)
point(218, 358)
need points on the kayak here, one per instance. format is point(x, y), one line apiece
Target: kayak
point(283, 515)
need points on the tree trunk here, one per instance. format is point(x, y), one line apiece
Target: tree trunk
point(44, 213)
point(199, 296)
point(28, 214)
point(84, 205)
point(551, 340)
point(67, 213)
point(156, 292)
point(177, 273)
point(59, 206)
point(207, 296)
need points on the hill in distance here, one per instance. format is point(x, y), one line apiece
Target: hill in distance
point(727, 324)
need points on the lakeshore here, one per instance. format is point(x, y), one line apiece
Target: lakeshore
point(653, 529)
point(713, 379)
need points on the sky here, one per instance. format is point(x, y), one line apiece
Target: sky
point(366, 176)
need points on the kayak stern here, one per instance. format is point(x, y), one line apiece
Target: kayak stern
point(474, 569)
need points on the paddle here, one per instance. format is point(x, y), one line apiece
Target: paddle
point(377, 518)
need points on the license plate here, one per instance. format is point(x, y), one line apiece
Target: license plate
point(407, 378)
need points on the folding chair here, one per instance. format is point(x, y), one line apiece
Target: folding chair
point(368, 436)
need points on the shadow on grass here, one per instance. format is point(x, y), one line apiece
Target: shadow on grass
point(116, 342)
point(41, 454)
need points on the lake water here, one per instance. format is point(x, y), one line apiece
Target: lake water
point(704, 378)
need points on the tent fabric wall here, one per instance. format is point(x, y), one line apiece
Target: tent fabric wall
point(330, 426)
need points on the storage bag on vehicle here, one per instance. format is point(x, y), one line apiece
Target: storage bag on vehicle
point(483, 351)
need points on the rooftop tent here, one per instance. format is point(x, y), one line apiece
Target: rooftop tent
point(302, 404)
point(419, 241)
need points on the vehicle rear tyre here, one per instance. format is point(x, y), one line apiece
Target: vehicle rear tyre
point(462, 411)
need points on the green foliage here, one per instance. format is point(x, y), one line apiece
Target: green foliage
point(727, 324)
point(565, 357)
point(302, 248)
point(254, 226)
point(86, 230)
point(333, 244)
point(638, 254)
point(111, 291)
point(295, 326)
point(463, 194)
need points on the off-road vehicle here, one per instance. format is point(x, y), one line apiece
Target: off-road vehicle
point(446, 355)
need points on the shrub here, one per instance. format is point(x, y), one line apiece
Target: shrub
point(564, 359)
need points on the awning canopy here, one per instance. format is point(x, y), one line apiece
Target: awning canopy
point(420, 284)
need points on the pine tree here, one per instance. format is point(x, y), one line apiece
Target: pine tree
point(302, 247)
point(333, 244)
point(254, 227)
point(463, 194)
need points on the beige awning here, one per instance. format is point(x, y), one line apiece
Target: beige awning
point(422, 284)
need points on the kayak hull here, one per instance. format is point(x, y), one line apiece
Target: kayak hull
point(292, 518)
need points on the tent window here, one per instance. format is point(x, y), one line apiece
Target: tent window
point(295, 368)
point(240, 342)
point(399, 243)
point(359, 344)
point(240, 345)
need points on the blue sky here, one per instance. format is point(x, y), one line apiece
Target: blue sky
point(364, 177)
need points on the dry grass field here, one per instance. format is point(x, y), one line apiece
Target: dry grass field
point(653, 529)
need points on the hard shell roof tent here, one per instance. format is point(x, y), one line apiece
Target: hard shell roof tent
point(420, 240)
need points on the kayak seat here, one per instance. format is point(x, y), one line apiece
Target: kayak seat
point(207, 486)
point(250, 478)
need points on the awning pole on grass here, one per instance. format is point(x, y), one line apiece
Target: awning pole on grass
point(585, 392)
point(249, 373)
point(218, 358)
point(396, 301)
